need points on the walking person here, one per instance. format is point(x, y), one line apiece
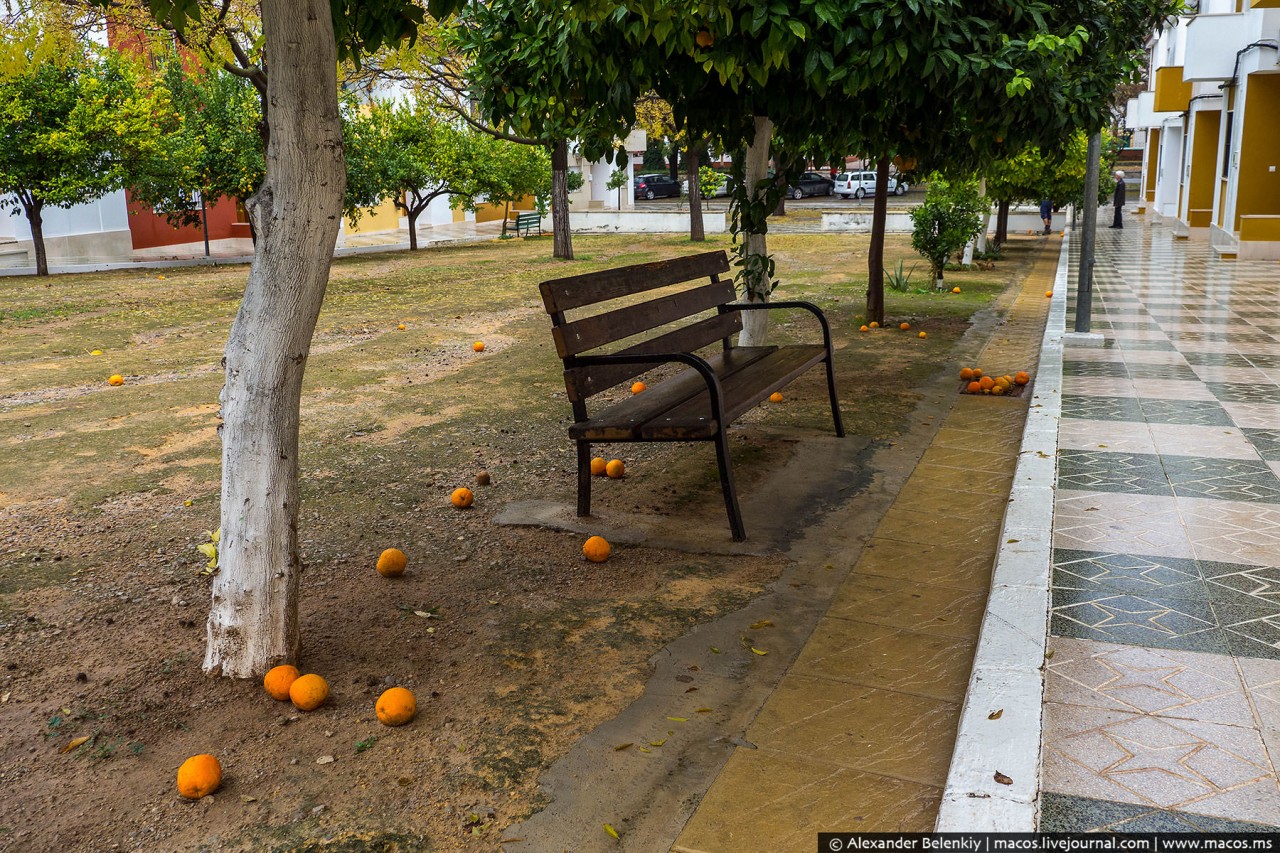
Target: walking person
point(1118, 199)
point(1046, 213)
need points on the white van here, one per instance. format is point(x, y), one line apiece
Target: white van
point(862, 184)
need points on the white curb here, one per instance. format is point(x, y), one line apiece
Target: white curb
point(1007, 681)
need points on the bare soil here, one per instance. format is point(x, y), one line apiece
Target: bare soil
point(514, 645)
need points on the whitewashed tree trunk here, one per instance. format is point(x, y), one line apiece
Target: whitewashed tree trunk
point(755, 324)
point(253, 622)
point(986, 217)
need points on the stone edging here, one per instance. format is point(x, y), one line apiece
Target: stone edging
point(1007, 680)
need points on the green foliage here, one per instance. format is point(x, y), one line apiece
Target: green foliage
point(1057, 174)
point(897, 279)
point(948, 219)
point(709, 181)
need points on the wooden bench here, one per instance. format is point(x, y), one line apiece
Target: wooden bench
point(526, 222)
point(697, 403)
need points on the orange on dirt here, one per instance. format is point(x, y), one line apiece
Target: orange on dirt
point(199, 776)
point(478, 346)
point(115, 379)
point(1048, 294)
point(923, 335)
point(775, 397)
point(615, 468)
point(999, 390)
point(401, 327)
point(278, 680)
point(1021, 378)
point(596, 549)
point(977, 373)
point(973, 388)
point(904, 326)
point(864, 328)
point(598, 466)
point(873, 324)
point(955, 290)
point(462, 497)
point(638, 387)
point(308, 692)
point(395, 707)
point(391, 563)
point(966, 373)
point(704, 38)
point(986, 383)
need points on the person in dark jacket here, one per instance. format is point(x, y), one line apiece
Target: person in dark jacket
point(1046, 214)
point(1118, 199)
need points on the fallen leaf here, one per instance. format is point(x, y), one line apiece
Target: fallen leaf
point(1003, 779)
point(80, 741)
point(1011, 541)
point(1102, 445)
point(763, 623)
point(703, 711)
point(714, 650)
point(643, 749)
point(245, 799)
point(995, 715)
point(325, 759)
point(621, 747)
point(5, 697)
point(678, 719)
point(1048, 655)
point(657, 742)
point(760, 652)
point(690, 690)
point(424, 614)
point(608, 827)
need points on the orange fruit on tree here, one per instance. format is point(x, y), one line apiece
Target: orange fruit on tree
point(973, 388)
point(395, 707)
point(391, 563)
point(966, 373)
point(704, 38)
point(278, 680)
point(199, 776)
point(478, 346)
point(596, 549)
point(923, 335)
point(308, 692)
point(638, 387)
point(1021, 378)
point(615, 468)
point(863, 328)
point(598, 466)
point(775, 397)
point(986, 383)
point(904, 326)
point(462, 497)
point(115, 379)
point(873, 324)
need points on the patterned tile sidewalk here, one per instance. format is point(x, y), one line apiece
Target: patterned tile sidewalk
point(1163, 674)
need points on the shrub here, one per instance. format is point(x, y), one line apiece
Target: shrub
point(949, 218)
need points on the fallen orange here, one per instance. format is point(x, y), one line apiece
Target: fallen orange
point(597, 466)
point(478, 346)
point(775, 397)
point(596, 549)
point(615, 469)
point(462, 498)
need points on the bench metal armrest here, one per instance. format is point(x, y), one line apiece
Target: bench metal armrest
point(699, 364)
point(793, 303)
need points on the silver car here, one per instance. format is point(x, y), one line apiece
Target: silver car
point(863, 184)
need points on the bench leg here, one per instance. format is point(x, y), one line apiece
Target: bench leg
point(584, 478)
point(835, 404)
point(726, 483)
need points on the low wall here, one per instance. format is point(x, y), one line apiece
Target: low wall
point(635, 222)
point(900, 223)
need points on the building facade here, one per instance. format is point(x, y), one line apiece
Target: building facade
point(1211, 116)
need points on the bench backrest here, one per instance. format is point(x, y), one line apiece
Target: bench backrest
point(527, 217)
point(594, 292)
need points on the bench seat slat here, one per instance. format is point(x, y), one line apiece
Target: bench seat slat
point(582, 382)
point(623, 420)
point(601, 329)
point(565, 294)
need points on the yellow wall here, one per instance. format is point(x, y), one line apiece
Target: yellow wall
point(1204, 167)
point(1152, 165)
point(1258, 191)
point(491, 212)
point(1265, 4)
point(1172, 95)
point(1260, 228)
point(385, 217)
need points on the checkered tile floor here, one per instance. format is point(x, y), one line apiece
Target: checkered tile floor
point(1163, 682)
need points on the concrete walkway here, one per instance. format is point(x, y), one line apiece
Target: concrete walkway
point(859, 733)
point(1162, 702)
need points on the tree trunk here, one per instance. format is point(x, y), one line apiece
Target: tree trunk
point(35, 218)
point(875, 254)
point(673, 163)
point(693, 161)
point(1002, 222)
point(414, 212)
point(562, 240)
point(253, 622)
point(980, 244)
point(755, 324)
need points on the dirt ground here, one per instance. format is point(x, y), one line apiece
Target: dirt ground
point(513, 644)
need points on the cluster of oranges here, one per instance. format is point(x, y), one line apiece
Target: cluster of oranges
point(903, 327)
point(997, 386)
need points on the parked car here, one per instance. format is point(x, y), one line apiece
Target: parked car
point(722, 186)
point(862, 184)
point(656, 186)
point(810, 183)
